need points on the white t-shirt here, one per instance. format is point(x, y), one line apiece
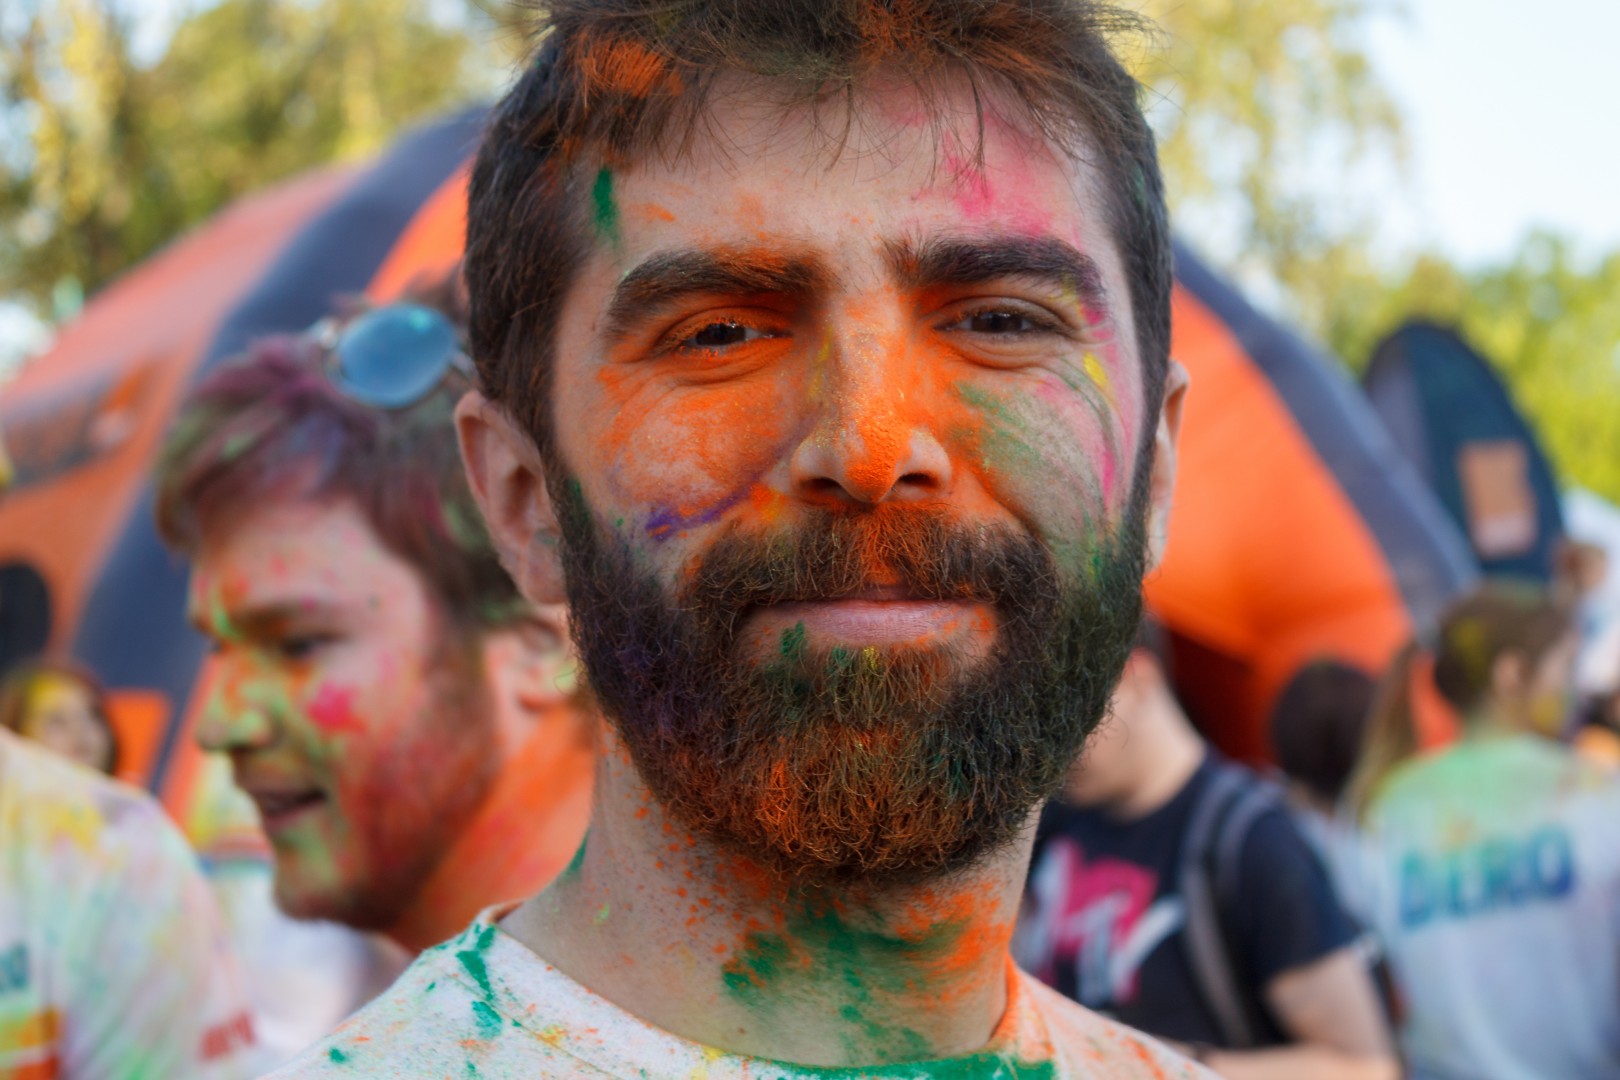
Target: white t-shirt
point(483, 1005)
point(1496, 890)
point(113, 962)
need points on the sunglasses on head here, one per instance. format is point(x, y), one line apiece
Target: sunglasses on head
point(391, 357)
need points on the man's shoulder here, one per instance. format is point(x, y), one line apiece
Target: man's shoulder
point(479, 1004)
point(1086, 1044)
point(83, 818)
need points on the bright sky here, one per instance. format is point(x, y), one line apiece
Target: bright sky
point(1513, 119)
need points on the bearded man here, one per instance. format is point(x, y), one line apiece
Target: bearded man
point(823, 356)
point(398, 713)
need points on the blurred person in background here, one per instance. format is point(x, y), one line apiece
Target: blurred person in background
point(1317, 727)
point(114, 964)
point(406, 723)
point(60, 705)
point(1171, 889)
point(1495, 881)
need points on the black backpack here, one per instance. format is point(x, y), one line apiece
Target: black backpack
point(1224, 813)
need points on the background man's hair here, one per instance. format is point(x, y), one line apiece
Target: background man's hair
point(271, 425)
point(616, 81)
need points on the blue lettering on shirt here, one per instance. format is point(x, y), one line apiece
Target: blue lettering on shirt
point(14, 968)
point(1493, 875)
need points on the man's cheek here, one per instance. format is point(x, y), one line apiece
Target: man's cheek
point(695, 457)
point(1045, 450)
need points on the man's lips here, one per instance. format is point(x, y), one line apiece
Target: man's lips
point(878, 615)
point(280, 804)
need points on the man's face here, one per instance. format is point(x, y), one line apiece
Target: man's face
point(846, 451)
point(366, 743)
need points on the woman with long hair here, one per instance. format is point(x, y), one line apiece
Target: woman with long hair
point(1495, 862)
point(62, 705)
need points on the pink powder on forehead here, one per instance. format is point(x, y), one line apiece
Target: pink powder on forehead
point(332, 710)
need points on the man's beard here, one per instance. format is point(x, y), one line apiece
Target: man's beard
point(887, 765)
point(421, 790)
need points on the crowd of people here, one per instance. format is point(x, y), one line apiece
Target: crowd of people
point(701, 635)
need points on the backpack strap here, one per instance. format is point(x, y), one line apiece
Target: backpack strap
point(1211, 855)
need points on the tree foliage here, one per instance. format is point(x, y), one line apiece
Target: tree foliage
point(1270, 114)
point(1549, 323)
point(1265, 111)
point(104, 159)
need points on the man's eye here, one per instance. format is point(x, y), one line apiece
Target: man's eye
point(300, 647)
point(998, 322)
point(718, 335)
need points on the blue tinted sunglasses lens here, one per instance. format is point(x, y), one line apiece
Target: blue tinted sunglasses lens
point(394, 356)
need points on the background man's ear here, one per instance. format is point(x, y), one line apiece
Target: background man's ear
point(1166, 438)
point(532, 670)
point(508, 481)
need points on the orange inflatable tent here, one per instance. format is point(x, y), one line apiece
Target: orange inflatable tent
point(1298, 532)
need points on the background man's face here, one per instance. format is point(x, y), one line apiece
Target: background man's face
point(366, 744)
point(867, 421)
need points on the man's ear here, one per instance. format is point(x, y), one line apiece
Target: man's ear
point(531, 668)
point(1166, 440)
point(508, 481)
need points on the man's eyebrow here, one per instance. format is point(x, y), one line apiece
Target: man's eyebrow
point(971, 260)
point(670, 276)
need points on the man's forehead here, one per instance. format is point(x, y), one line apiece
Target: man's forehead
point(761, 177)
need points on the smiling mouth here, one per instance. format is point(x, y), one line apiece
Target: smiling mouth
point(279, 809)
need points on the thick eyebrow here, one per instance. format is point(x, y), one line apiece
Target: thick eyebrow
point(975, 259)
point(671, 276)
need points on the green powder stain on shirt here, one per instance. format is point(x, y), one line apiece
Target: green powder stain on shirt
point(472, 960)
point(336, 1056)
point(487, 1019)
point(605, 210)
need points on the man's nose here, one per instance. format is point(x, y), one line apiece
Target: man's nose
point(874, 439)
point(236, 715)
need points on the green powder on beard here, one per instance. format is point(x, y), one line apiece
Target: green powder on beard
point(793, 639)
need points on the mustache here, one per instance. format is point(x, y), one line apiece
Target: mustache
point(835, 555)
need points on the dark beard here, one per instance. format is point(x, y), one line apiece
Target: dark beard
point(886, 765)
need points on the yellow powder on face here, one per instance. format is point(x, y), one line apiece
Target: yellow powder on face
point(1099, 375)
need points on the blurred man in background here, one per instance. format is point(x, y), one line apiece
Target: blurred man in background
point(405, 722)
point(114, 963)
point(1170, 888)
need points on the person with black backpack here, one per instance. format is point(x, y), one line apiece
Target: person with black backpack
point(1171, 889)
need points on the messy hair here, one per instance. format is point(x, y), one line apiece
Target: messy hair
point(614, 82)
point(1499, 618)
point(272, 425)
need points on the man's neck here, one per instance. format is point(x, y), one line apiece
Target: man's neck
point(715, 950)
point(519, 841)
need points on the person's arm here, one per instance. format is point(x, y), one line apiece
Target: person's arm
point(1331, 1008)
point(153, 986)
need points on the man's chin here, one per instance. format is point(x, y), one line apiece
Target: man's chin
point(306, 893)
